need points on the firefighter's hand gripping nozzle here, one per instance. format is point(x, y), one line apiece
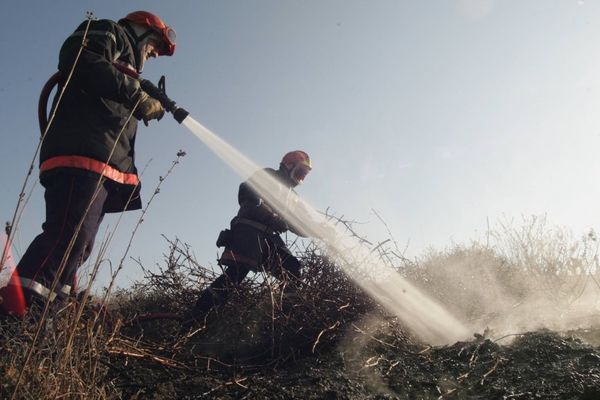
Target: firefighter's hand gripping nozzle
point(159, 93)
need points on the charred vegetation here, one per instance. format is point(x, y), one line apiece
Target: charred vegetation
point(331, 341)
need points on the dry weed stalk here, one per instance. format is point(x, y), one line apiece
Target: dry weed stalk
point(13, 225)
point(254, 332)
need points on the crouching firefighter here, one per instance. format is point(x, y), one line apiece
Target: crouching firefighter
point(253, 242)
point(87, 153)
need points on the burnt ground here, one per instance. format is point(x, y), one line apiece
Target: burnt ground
point(370, 360)
point(331, 342)
point(380, 362)
point(334, 343)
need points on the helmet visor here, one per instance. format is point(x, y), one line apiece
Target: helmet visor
point(168, 37)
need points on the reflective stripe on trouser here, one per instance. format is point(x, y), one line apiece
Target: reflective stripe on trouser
point(18, 292)
point(45, 292)
point(67, 198)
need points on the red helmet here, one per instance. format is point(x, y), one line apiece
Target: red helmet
point(167, 34)
point(298, 165)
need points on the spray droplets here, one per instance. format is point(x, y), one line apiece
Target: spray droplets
point(425, 317)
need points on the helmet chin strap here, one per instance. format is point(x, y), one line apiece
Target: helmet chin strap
point(139, 48)
point(140, 35)
point(288, 174)
point(292, 175)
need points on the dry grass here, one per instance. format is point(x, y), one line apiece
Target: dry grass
point(117, 351)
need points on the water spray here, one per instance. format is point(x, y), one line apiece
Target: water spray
point(427, 319)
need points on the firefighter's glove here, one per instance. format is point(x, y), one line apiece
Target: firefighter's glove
point(279, 224)
point(148, 109)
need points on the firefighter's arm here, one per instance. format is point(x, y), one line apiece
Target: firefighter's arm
point(308, 219)
point(297, 231)
point(258, 210)
point(275, 221)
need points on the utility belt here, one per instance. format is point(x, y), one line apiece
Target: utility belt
point(225, 236)
point(261, 227)
point(43, 291)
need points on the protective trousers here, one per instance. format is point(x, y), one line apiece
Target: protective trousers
point(74, 209)
point(218, 292)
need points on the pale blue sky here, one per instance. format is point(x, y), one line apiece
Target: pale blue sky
point(438, 114)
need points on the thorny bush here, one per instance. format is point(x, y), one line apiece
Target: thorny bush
point(258, 326)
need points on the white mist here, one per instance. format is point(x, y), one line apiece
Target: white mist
point(427, 319)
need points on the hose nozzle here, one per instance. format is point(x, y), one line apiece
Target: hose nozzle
point(160, 94)
point(180, 114)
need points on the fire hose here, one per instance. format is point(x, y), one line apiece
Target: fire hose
point(157, 92)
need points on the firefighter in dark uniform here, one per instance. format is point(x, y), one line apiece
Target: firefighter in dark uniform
point(87, 155)
point(253, 242)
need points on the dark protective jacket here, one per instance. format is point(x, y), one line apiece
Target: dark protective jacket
point(254, 208)
point(90, 133)
point(254, 239)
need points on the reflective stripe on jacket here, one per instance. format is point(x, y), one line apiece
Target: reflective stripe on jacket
point(92, 129)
